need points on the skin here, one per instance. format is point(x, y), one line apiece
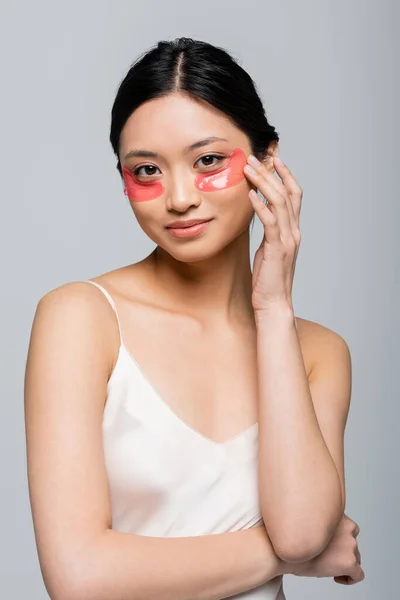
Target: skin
point(185, 309)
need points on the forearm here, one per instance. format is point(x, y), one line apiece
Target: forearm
point(122, 566)
point(299, 485)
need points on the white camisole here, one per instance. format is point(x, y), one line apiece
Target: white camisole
point(168, 480)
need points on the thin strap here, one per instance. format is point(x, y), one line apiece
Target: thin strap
point(111, 301)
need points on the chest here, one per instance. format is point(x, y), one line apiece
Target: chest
point(207, 377)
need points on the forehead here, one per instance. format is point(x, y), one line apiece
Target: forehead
point(174, 122)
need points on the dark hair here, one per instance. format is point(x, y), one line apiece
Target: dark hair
point(201, 71)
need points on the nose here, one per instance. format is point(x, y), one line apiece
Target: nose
point(181, 193)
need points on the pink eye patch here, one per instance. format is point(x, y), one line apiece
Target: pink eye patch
point(227, 176)
point(138, 191)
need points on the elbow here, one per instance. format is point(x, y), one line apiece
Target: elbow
point(294, 545)
point(68, 589)
point(86, 572)
point(73, 590)
point(73, 578)
point(295, 549)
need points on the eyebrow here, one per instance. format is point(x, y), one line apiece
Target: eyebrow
point(186, 150)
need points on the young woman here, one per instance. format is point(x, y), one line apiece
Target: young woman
point(184, 429)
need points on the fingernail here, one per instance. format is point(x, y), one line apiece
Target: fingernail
point(253, 161)
point(248, 169)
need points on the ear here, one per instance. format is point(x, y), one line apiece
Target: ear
point(273, 150)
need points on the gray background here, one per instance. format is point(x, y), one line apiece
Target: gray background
point(326, 72)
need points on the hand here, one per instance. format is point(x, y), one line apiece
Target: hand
point(341, 558)
point(275, 259)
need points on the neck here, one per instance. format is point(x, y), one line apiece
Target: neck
point(211, 290)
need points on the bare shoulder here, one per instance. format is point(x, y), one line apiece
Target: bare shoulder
point(319, 343)
point(82, 308)
point(312, 329)
point(75, 301)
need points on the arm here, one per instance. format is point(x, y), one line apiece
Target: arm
point(68, 365)
point(121, 566)
point(301, 433)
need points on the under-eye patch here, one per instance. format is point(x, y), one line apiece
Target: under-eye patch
point(227, 176)
point(138, 191)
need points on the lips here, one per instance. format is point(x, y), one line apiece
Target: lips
point(186, 224)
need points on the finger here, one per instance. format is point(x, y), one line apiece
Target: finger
point(277, 202)
point(347, 580)
point(343, 579)
point(258, 258)
point(268, 171)
point(269, 221)
point(295, 191)
point(267, 168)
point(359, 575)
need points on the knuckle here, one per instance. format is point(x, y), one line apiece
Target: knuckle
point(274, 221)
point(280, 200)
point(349, 525)
point(352, 561)
point(356, 564)
point(343, 526)
point(297, 235)
point(353, 543)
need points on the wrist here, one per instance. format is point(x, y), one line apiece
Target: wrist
point(275, 313)
point(267, 563)
point(284, 568)
point(300, 569)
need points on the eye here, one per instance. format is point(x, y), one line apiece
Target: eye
point(207, 158)
point(136, 171)
point(208, 162)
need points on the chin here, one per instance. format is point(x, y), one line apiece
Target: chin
point(191, 253)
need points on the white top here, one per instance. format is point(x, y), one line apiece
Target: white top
point(168, 480)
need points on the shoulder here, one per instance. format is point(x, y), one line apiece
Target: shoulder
point(322, 345)
point(82, 295)
point(75, 300)
point(75, 313)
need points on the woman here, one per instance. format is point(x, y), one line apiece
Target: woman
point(188, 443)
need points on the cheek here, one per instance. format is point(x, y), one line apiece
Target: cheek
point(141, 192)
point(231, 174)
